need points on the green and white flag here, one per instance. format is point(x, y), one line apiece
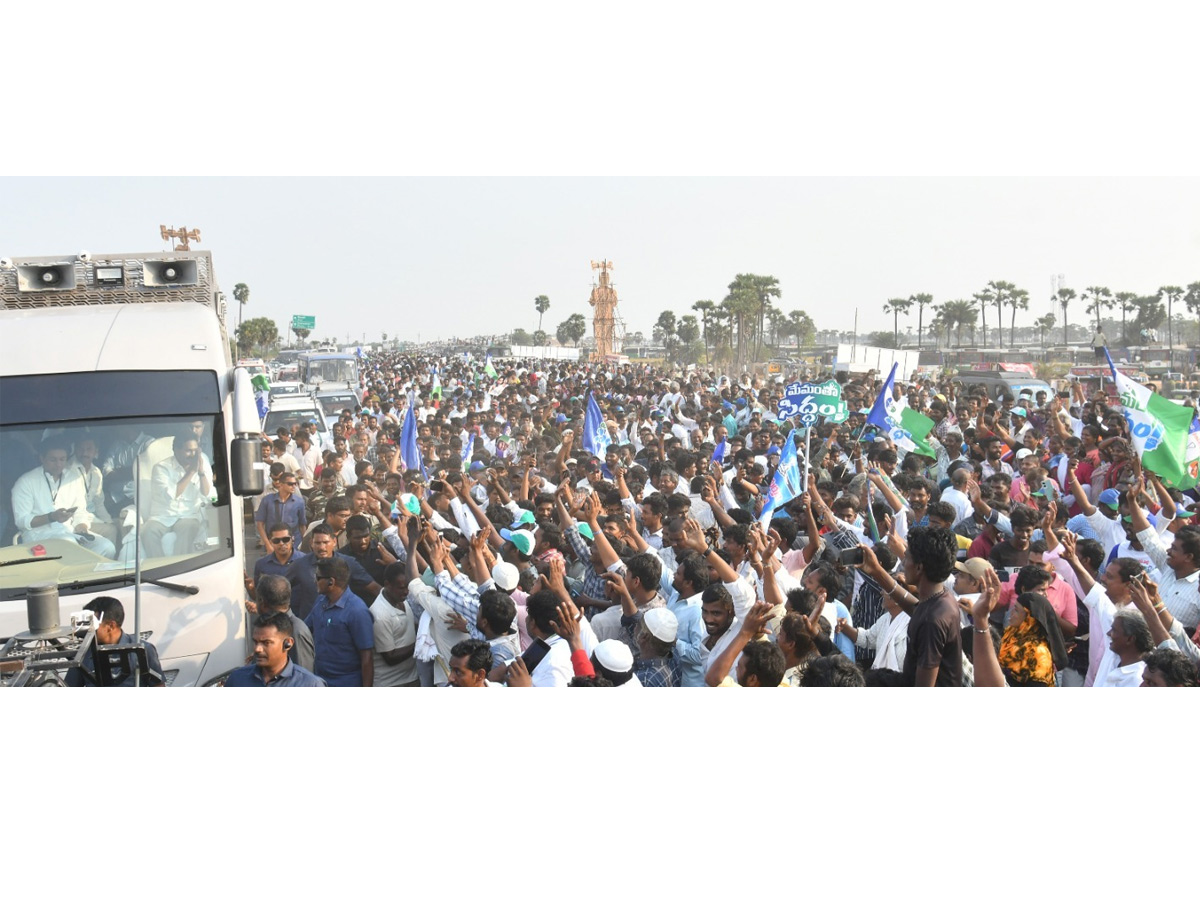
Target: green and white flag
point(1165, 435)
point(262, 394)
point(906, 427)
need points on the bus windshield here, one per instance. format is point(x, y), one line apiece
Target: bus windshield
point(79, 497)
point(330, 369)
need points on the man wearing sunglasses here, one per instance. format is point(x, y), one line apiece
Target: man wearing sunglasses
point(284, 507)
point(284, 553)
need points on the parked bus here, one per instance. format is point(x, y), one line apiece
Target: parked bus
point(113, 359)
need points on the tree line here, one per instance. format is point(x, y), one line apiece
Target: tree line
point(1149, 311)
point(746, 326)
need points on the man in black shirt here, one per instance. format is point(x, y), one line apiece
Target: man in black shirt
point(1013, 552)
point(934, 656)
point(365, 549)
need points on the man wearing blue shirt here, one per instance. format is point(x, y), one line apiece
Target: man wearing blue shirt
point(283, 556)
point(284, 507)
point(302, 573)
point(688, 584)
point(273, 639)
point(342, 628)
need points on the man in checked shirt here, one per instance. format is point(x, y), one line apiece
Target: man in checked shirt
point(598, 558)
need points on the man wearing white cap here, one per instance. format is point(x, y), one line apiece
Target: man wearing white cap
point(653, 639)
point(613, 660)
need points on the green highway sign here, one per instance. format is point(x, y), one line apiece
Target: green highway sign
point(307, 323)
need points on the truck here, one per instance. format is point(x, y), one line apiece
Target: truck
point(120, 360)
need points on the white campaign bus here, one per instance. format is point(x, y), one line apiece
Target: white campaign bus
point(113, 358)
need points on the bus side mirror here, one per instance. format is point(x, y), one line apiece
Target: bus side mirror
point(246, 466)
point(245, 450)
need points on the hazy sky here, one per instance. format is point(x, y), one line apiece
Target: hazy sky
point(441, 257)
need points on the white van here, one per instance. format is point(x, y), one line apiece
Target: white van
point(287, 411)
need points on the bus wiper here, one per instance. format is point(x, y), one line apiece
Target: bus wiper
point(21, 562)
point(128, 579)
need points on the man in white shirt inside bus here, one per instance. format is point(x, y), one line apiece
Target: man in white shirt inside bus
point(50, 502)
point(179, 491)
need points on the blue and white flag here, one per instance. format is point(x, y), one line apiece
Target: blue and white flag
point(595, 432)
point(786, 484)
point(468, 450)
point(410, 453)
point(720, 450)
point(358, 351)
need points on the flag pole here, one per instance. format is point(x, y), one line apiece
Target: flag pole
point(807, 445)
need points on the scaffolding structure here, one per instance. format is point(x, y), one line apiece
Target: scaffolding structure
point(607, 326)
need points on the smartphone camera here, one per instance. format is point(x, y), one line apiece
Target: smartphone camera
point(852, 557)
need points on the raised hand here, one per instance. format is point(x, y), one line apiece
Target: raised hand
point(771, 543)
point(479, 541)
point(988, 598)
point(1068, 541)
point(812, 622)
point(693, 536)
point(591, 509)
point(871, 566)
point(566, 624)
point(517, 674)
point(556, 575)
point(614, 587)
point(386, 558)
point(757, 616)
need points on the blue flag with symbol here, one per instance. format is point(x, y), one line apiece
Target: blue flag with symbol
point(595, 432)
point(786, 484)
point(410, 453)
point(720, 450)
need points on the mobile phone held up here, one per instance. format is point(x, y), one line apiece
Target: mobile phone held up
point(851, 557)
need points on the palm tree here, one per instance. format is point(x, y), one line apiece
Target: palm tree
point(241, 293)
point(956, 314)
point(999, 293)
point(921, 301)
point(742, 304)
point(1097, 298)
point(541, 303)
point(1125, 302)
point(895, 306)
point(775, 320)
point(800, 324)
point(704, 307)
point(1064, 298)
point(1192, 298)
point(1018, 299)
point(1150, 313)
point(1170, 294)
point(938, 326)
point(983, 299)
point(1044, 324)
point(766, 288)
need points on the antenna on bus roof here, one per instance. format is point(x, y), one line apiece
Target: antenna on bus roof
point(182, 234)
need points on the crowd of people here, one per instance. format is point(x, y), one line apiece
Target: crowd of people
point(527, 547)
